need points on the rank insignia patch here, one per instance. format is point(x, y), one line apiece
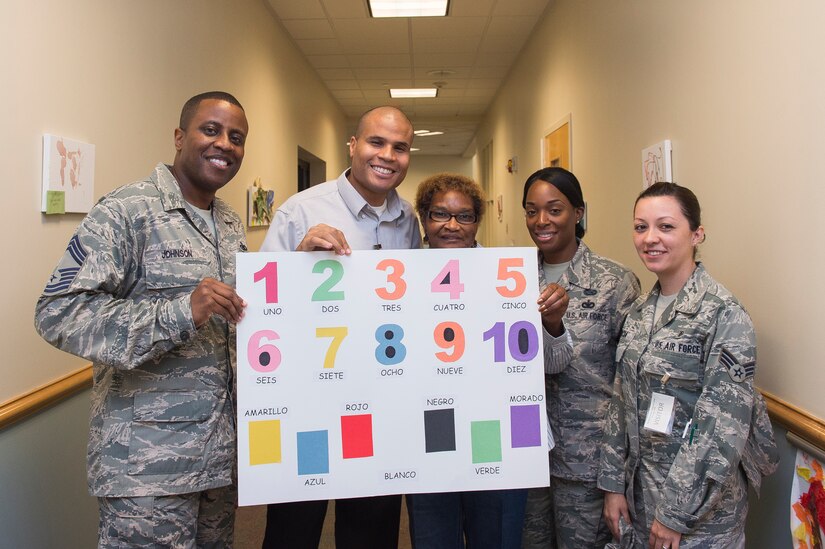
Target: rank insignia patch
point(69, 267)
point(737, 372)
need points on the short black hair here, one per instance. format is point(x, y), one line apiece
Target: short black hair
point(565, 182)
point(189, 108)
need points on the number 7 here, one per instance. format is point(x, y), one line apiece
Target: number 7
point(337, 334)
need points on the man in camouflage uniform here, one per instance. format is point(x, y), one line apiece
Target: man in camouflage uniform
point(568, 514)
point(702, 352)
point(145, 291)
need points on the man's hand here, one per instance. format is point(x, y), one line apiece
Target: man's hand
point(552, 306)
point(615, 506)
point(324, 237)
point(213, 297)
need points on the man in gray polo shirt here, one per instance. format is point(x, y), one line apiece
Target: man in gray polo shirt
point(360, 210)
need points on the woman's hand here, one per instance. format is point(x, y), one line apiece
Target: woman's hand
point(552, 306)
point(662, 537)
point(615, 506)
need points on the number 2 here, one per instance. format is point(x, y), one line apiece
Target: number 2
point(324, 291)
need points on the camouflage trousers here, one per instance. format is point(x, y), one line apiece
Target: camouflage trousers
point(567, 515)
point(648, 479)
point(185, 521)
point(632, 539)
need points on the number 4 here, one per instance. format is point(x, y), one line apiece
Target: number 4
point(448, 280)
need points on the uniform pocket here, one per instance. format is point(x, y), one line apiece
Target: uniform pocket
point(683, 385)
point(170, 431)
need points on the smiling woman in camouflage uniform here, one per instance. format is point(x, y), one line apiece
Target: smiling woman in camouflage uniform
point(569, 513)
point(686, 431)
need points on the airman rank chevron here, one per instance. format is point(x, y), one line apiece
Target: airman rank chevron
point(737, 372)
point(69, 266)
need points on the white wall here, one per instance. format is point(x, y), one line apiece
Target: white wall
point(737, 87)
point(423, 166)
point(116, 74)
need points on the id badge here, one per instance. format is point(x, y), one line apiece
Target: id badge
point(661, 413)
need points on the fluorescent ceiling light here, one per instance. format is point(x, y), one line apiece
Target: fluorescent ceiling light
point(427, 134)
point(401, 93)
point(408, 8)
point(419, 132)
point(413, 149)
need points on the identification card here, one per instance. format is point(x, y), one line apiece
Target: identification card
point(661, 413)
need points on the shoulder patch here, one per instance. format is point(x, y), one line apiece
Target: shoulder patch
point(737, 372)
point(69, 266)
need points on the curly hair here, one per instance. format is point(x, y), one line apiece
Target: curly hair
point(442, 182)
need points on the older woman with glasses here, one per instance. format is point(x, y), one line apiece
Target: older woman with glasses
point(450, 207)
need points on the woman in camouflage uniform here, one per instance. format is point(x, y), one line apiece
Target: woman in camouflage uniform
point(569, 513)
point(677, 454)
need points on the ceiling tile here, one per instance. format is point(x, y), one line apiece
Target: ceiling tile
point(497, 59)
point(328, 61)
point(379, 60)
point(533, 8)
point(347, 94)
point(346, 9)
point(462, 8)
point(342, 84)
point(516, 27)
point(386, 74)
point(309, 29)
point(385, 84)
point(490, 72)
point(424, 28)
point(422, 72)
point(452, 43)
point(446, 60)
point(297, 9)
point(319, 47)
point(335, 73)
point(373, 35)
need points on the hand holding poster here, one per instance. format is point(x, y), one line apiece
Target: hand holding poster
point(392, 371)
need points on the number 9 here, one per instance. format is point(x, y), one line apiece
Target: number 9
point(449, 335)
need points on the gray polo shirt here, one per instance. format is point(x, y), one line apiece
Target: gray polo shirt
point(338, 204)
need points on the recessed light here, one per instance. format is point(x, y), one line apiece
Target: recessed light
point(402, 93)
point(408, 8)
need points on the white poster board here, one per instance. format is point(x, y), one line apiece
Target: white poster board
point(387, 372)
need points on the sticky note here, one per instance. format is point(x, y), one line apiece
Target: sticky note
point(55, 202)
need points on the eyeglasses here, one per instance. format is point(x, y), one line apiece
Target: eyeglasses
point(464, 218)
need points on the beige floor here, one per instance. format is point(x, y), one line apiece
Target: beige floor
point(250, 523)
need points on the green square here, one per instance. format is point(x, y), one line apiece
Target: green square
point(486, 439)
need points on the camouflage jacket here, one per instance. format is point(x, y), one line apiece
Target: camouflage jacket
point(601, 292)
point(162, 419)
point(702, 352)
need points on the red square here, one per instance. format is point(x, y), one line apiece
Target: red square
point(356, 436)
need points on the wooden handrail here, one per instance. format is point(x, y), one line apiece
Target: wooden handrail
point(50, 394)
point(794, 419)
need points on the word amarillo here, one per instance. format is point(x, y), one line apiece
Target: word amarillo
point(266, 412)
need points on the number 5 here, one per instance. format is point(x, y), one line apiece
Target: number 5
point(504, 273)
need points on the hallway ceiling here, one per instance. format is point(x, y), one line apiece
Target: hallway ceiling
point(466, 55)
